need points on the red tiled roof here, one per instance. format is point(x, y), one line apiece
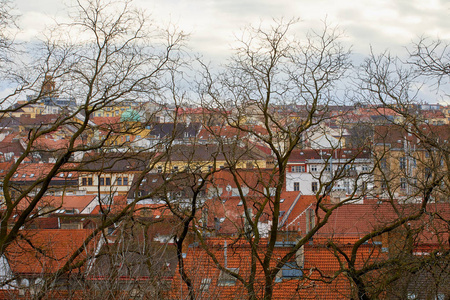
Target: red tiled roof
point(352, 221)
point(120, 202)
point(255, 179)
point(45, 251)
point(33, 171)
point(69, 201)
point(105, 120)
point(230, 132)
point(200, 267)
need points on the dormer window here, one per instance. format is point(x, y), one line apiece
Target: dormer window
point(291, 271)
point(226, 279)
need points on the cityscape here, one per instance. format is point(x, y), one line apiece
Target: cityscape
point(132, 170)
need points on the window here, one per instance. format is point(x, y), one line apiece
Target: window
point(291, 270)
point(364, 186)
point(102, 180)
point(314, 186)
point(365, 168)
point(119, 180)
point(314, 168)
point(328, 168)
point(108, 180)
point(383, 164)
point(298, 169)
point(402, 163)
point(226, 279)
point(159, 169)
point(125, 181)
point(296, 186)
point(440, 296)
point(403, 183)
point(347, 187)
point(204, 286)
point(89, 181)
point(411, 296)
point(175, 169)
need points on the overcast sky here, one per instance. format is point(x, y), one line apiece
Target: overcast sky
point(381, 24)
point(384, 24)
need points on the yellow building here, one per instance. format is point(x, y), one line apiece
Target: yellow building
point(204, 158)
point(406, 167)
point(110, 174)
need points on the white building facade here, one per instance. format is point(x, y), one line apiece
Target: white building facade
point(339, 172)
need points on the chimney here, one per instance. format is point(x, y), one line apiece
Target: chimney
point(225, 254)
point(48, 87)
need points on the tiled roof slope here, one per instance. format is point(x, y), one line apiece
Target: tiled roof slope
point(46, 251)
point(352, 221)
point(202, 269)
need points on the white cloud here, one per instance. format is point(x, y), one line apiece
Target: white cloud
point(212, 23)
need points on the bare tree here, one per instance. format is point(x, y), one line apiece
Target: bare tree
point(411, 163)
point(275, 89)
point(116, 57)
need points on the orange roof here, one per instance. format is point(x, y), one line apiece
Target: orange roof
point(120, 202)
point(351, 221)
point(34, 171)
point(105, 120)
point(69, 201)
point(53, 143)
point(201, 268)
point(229, 132)
point(45, 251)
